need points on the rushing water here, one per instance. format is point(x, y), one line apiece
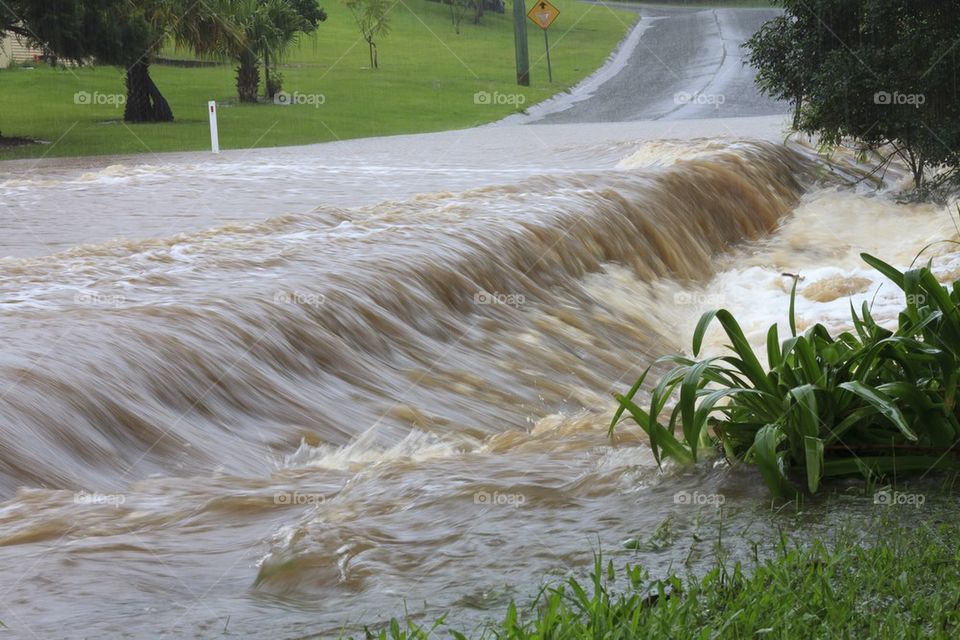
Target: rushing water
point(284, 423)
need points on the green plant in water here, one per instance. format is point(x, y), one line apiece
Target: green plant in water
point(871, 401)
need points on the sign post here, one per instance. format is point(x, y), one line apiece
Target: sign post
point(543, 14)
point(214, 135)
point(546, 44)
point(520, 41)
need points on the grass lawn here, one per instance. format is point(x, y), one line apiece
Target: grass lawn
point(427, 82)
point(900, 579)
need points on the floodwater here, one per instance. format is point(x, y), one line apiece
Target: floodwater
point(288, 393)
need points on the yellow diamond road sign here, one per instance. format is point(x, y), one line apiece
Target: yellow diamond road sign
point(543, 14)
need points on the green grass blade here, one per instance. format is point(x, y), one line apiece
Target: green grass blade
point(806, 405)
point(941, 298)
point(938, 431)
point(889, 464)
point(813, 456)
point(664, 390)
point(701, 330)
point(862, 414)
point(793, 307)
point(884, 404)
point(774, 357)
point(693, 381)
point(765, 454)
point(660, 437)
point(808, 361)
point(749, 364)
point(912, 291)
point(890, 272)
point(630, 394)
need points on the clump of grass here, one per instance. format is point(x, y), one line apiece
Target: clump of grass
point(872, 401)
point(903, 584)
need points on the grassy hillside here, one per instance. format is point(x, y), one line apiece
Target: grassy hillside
point(427, 81)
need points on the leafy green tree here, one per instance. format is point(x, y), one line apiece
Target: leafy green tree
point(9, 22)
point(458, 9)
point(373, 20)
point(779, 63)
point(883, 73)
point(123, 33)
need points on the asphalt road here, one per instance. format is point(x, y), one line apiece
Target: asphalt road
point(686, 63)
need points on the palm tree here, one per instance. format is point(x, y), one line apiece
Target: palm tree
point(256, 30)
point(131, 33)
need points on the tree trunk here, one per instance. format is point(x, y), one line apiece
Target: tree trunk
point(267, 88)
point(145, 103)
point(248, 77)
point(161, 108)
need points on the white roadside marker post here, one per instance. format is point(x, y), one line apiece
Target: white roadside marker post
point(214, 135)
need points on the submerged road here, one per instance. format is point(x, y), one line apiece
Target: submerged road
point(690, 52)
point(677, 63)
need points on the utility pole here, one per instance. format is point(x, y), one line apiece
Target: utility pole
point(520, 39)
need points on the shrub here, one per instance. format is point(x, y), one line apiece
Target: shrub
point(871, 401)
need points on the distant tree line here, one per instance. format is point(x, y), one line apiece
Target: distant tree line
point(460, 8)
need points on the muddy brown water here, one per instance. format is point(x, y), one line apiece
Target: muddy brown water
point(292, 425)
